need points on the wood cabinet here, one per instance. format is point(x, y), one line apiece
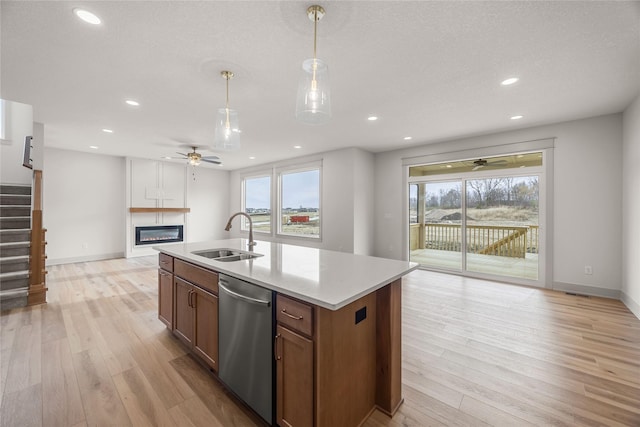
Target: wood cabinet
point(294, 379)
point(196, 310)
point(165, 289)
point(333, 367)
point(294, 363)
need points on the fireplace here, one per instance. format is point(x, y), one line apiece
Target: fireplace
point(155, 234)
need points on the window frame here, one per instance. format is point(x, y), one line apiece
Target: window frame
point(275, 174)
point(244, 224)
point(279, 172)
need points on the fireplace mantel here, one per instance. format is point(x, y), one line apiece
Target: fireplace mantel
point(161, 210)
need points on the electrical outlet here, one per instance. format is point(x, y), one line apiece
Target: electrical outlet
point(588, 270)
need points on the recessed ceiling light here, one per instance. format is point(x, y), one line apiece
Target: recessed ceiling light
point(518, 117)
point(252, 158)
point(408, 138)
point(449, 166)
point(509, 81)
point(372, 118)
point(93, 147)
point(297, 146)
point(107, 130)
point(87, 16)
point(132, 103)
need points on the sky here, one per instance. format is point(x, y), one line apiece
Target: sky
point(298, 189)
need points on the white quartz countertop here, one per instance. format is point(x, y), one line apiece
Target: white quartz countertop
point(325, 278)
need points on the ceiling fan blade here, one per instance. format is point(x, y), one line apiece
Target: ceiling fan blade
point(182, 154)
point(215, 162)
point(210, 158)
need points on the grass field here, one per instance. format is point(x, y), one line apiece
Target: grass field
point(262, 222)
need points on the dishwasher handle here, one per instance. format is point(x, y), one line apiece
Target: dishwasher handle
point(244, 297)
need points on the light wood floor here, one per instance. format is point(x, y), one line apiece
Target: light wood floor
point(474, 353)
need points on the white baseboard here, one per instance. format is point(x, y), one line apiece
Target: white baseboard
point(586, 290)
point(632, 305)
point(84, 258)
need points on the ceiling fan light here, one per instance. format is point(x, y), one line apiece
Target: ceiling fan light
point(227, 133)
point(313, 103)
point(194, 161)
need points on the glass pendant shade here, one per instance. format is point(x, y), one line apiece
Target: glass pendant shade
point(227, 134)
point(313, 103)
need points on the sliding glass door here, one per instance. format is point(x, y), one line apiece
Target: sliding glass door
point(478, 220)
point(438, 225)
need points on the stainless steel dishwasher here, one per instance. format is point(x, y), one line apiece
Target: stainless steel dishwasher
point(246, 320)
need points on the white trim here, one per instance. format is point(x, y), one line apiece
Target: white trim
point(586, 290)
point(440, 153)
point(632, 305)
point(89, 258)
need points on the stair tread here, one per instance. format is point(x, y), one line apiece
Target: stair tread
point(15, 274)
point(13, 245)
point(15, 258)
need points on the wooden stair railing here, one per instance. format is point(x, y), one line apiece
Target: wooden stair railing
point(37, 271)
point(509, 245)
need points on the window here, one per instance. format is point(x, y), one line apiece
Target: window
point(295, 194)
point(257, 203)
point(299, 196)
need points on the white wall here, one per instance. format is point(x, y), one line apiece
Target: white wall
point(631, 208)
point(587, 199)
point(208, 198)
point(343, 171)
point(84, 206)
point(18, 123)
point(363, 203)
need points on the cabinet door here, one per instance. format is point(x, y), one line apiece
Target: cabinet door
point(294, 371)
point(205, 342)
point(183, 318)
point(165, 297)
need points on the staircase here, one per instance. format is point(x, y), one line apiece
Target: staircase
point(15, 237)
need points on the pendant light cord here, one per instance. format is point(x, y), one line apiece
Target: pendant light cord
point(315, 31)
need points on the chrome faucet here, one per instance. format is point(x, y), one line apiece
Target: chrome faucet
point(251, 243)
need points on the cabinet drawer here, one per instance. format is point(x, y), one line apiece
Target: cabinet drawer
point(206, 279)
point(165, 262)
point(295, 314)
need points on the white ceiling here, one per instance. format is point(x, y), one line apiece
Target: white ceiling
point(430, 70)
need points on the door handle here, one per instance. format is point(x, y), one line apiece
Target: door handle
point(243, 297)
point(284, 311)
point(275, 347)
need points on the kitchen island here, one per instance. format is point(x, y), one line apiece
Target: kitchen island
point(336, 337)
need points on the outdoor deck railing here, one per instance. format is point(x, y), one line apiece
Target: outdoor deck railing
point(510, 241)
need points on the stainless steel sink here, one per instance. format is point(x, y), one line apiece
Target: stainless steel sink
point(237, 257)
point(226, 255)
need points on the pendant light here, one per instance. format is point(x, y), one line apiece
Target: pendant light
point(227, 134)
point(313, 104)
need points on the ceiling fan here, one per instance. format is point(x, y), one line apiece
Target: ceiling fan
point(480, 163)
point(195, 158)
